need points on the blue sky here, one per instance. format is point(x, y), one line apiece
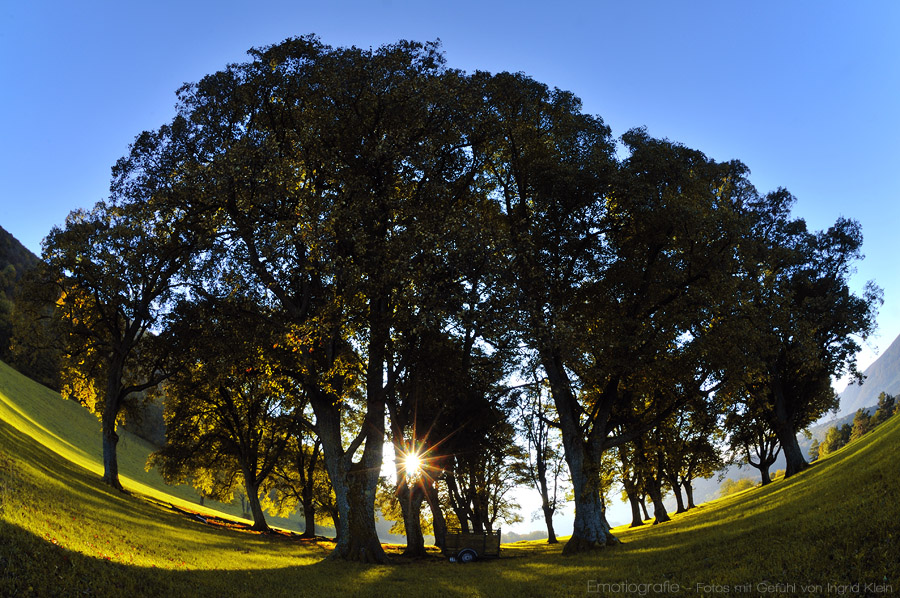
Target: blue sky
point(805, 93)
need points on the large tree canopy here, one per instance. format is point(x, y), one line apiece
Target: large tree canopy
point(412, 235)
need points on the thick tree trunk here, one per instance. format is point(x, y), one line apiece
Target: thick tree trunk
point(787, 435)
point(478, 526)
point(110, 458)
point(411, 499)
point(631, 492)
point(590, 530)
point(635, 511)
point(108, 423)
point(689, 491)
point(328, 428)
point(438, 522)
point(362, 541)
point(654, 489)
point(356, 538)
point(792, 453)
point(763, 468)
point(259, 518)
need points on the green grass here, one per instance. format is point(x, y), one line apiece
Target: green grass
point(62, 533)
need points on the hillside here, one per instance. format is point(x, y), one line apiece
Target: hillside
point(15, 260)
point(62, 533)
point(882, 376)
point(69, 430)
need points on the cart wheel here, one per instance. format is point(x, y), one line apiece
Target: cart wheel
point(467, 556)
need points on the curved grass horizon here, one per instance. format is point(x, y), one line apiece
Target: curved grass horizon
point(62, 532)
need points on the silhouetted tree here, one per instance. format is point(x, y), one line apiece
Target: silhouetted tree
point(805, 320)
point(228, 411)
point(115, 269)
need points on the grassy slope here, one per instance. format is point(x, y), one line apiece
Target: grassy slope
point(69, 430)
point(63, 533)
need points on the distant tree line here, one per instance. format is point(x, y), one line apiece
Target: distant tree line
point(328, 249)
point(863, 423)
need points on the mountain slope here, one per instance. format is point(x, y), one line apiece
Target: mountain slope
point(882, 376)
point(15, 260)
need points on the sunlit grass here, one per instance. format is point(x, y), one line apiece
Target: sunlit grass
point(62, 533)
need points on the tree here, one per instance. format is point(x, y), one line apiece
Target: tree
point(320, 170)
point(630, 474)
point(612, 263)
point(751, 435)
point(862, 424)
point(884, 409)
point(449, 353)
point(299, 479)
point(544, 451)
point(228, 411)
point(814, 450)
point(805, 320)
point(688, 443)
point(835, 438)
point(15, 262)
point(115, 271)
point(730, 486)
point(482, 479)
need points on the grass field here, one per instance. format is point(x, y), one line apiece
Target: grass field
point(62, 533)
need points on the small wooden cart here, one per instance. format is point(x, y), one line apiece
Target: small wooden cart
point(466, 547)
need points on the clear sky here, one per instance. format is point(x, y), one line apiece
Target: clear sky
point(806, 93)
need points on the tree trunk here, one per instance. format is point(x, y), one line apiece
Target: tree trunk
point(544, 490)
point(643, 501)
point(309, 518)
point(362, 542)
point(329, 431)
point(259, 518)
point(763, 468)
point(679, 500)
point(110, 458)
point(590, 530)
point(108, 423)
point(635, 511)
point(457, 502)
point(786, 433)
point(548, 519)
point(308, 473)
point(411, 499)
point(437, 514)
point(654, 489)
point(689, 491)
point(356, 538)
